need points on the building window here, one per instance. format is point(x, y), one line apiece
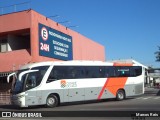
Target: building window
point(3, 45)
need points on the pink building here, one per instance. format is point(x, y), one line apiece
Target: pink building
point(28, 36)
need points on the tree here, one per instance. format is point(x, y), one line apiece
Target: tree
point(157, 53)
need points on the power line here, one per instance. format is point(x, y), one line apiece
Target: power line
point(15, 6)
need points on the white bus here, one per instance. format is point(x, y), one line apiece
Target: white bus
point(52, 83)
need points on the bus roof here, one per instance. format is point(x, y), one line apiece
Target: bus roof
point(81, 63)
point(129, 61)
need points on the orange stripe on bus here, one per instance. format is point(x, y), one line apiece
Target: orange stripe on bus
point(113, 84)
point(100, 94)
point(122, 64)
point(116, 83)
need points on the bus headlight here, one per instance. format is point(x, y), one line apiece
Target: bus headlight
point(20, 96)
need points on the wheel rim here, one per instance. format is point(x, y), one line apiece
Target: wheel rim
point(120, 95)
point(51, 101)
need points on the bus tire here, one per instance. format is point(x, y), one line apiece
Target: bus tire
point(120, 95)
point(52, 101)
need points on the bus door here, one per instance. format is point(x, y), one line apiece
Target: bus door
point(30, 81)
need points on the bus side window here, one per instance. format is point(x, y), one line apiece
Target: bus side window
point(75, 72)
point(53, 75)
point(101, 72)
point(31, 81)
point(106, 74)
point(111, 71)
point(94, 72)
point(72, 73)
point(132, 73)
point(79, 72)
point(40, 74)
point(138, 70)
point(89, 72)
point(135, 71)
point(123, 71)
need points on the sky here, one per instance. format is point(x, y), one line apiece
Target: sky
point(129, 29)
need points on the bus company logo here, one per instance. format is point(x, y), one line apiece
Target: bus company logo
point(6, 114)
point(63, 83)
point(44, 33)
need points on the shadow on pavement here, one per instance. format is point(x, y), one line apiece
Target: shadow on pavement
point(12, 107)
point(8, 107)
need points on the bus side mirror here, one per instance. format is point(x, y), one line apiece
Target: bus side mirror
point(12, 74)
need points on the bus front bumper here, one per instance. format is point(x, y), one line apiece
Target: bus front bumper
point(18, 101)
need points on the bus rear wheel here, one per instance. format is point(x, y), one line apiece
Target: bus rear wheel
point(52, 101)
point(120, 95)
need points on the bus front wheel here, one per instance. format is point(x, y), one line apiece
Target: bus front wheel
point(120, 95)
point(52, 101)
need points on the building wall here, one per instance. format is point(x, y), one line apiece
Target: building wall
point(83, 48)
point(11, 24)
point(15, 21)
point(11, 61)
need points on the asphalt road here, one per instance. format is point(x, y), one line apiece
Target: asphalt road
point(149, 102)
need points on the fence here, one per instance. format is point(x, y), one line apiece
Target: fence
point(5, 98)
point(15, 8)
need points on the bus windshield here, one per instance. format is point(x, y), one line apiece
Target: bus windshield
point(29, 80)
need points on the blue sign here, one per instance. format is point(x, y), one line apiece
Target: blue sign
point(54, 44)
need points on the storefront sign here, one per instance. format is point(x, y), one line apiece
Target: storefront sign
point(54, 44)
